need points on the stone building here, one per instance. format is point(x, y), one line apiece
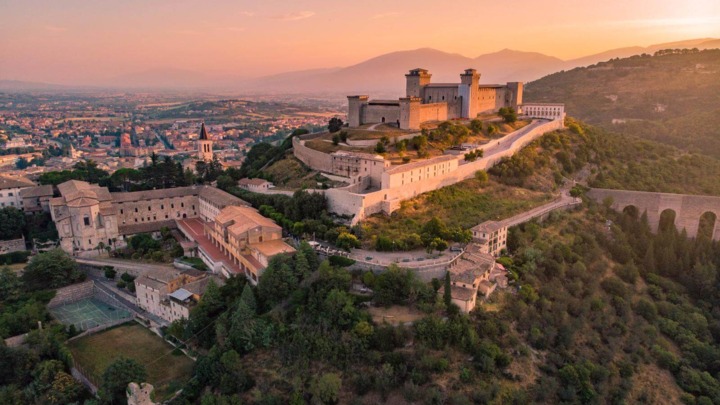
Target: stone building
point(469, 276)
point(36, 199)
point(170, 294)
point(237, 241)
point(491, 237)
point(255, 185)
point(10, 191)
point(86, 214)
point(550, 111)
point(426, 101)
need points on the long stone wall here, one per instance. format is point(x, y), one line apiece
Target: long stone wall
point(687, 208)
point(388, 200)
point(311, 157)
point(359, 205)
point(434, 112)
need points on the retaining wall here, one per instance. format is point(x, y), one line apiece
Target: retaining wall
point(72, 293)
point(311, 157)
point(13, 245)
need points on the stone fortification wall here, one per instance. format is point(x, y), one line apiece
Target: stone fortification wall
point(311, 157)
point(688, 208)
point(13, 245)
point(376, 113)
point(433, 112)
point(352, 201)
point(72, 293)
point(388, 200)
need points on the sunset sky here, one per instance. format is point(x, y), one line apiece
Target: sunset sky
point(86, 41)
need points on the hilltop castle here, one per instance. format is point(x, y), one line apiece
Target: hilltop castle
point(426, 101)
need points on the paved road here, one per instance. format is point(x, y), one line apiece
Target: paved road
point(565, 200)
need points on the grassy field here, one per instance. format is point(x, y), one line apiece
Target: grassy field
point(95, 352)
point(464, 204)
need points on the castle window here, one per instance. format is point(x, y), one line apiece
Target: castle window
point(149, 209)
point(162, 206)
point(136, 209)
point(121, 211)
point(86, 220)
point(443, 97)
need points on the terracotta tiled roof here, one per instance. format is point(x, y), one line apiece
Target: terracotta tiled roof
point(9, 182)
point(39, 191)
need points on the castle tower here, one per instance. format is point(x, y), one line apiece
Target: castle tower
point(355, 110)
point(205, 151)
point(471, 78)
point(515, 95)
point(410, 113)
point(415, 81)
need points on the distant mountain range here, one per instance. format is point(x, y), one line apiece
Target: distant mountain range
point(383, 73)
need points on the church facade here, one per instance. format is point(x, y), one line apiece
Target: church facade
point(426, 101)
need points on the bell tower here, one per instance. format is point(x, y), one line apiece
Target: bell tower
point(205, 150)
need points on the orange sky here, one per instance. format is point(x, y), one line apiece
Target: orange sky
point(88, 41)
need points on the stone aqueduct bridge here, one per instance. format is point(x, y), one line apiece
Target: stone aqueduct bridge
point(687, 208)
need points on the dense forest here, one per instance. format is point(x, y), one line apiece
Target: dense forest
point(596, 314)
point(671, 97)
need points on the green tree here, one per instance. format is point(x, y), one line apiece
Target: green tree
point(347, 241)
point(380, 147)
point(508, 114)
point(13, 223)
point(476, 126)
point(52, 269)
point(117, 376)
point(326, 388)
point(335, 124)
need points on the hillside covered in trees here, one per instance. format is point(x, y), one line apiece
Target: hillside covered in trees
point(671, 97)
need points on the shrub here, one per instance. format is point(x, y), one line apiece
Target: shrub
point(121, 284)
point(15, 257)
point(110, 272)
point(341, 261)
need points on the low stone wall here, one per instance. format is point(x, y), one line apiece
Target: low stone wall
point(72, 293)
point(13, 245)
point(364, 143)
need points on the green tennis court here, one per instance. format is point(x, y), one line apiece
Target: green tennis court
point(88, 313)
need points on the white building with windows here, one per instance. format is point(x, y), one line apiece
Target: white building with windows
point(549, 111)
point(10, 191)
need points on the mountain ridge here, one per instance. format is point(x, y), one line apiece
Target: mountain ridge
point(382, 73)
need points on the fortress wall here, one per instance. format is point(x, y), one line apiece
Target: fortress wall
point(486, 99)
point(375, 113)
point(311, 157)
point(343, 201)
point(434, 112)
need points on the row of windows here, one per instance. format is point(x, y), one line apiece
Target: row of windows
point(10, 194)
point(162, 207)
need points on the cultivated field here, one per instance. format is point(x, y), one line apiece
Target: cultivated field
point(166, 371)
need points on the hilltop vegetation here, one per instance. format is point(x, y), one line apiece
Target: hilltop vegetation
point(671, 97)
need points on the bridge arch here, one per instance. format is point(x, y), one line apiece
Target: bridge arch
point(632, 211)
point(668, 218)
point(707, 225)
